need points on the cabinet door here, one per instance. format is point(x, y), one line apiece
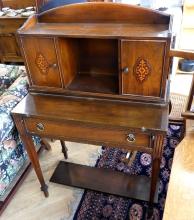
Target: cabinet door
point(41, 60)
point(142, 65)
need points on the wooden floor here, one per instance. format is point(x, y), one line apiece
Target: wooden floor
point(180, 197)
point(29, 202)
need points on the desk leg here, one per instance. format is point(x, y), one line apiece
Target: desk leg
point(64, 149)
point(157, 154)
point(29, 145)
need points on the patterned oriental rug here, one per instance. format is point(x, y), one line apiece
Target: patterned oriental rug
point(96, 205)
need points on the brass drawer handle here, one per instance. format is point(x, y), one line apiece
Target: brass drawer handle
point(131, 138)
point(40, 127)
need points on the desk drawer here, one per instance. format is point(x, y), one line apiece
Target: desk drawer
point(71, 131)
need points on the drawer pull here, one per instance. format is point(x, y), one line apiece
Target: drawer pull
point(131, 138)
point(54, 65)
point(40, 127)
point(126, 70)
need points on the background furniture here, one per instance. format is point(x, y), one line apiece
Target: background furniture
point(9, 50)
point(101, 60)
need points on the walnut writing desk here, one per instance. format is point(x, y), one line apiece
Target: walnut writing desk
point(98, 78)
point(96, 122)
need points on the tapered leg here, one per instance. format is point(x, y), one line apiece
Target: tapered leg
point(45, 143)
point(157, 154)
point(64, 149)
point(29, 145)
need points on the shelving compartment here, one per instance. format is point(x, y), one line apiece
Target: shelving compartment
point(89, 65)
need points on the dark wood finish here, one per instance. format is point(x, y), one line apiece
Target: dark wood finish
point(64, 149)
point(45, 144)
point(191, 94)
point(107, 12)
point(68, 56)
point(101, 83)
point(182, 54)
point(144, 67)
point(28, 143)
point(122, 184)
point(9, 49)
point(17, 4)
point(86, 50)
point(96, 30)
point(98, 56)
point(41, 58)
point(84, 120)
point(76, 56)
point(109, 114)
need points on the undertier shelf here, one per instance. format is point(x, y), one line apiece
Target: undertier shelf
point(103, 180)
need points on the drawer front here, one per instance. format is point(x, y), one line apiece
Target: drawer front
point(91, 134)
point(41, 60)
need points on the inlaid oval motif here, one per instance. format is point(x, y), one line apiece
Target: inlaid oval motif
point(142, 69)
point(42, 63)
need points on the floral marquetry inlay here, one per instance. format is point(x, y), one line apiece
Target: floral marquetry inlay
point(42, 63)
point(142, 69)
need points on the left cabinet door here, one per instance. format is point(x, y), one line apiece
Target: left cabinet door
point(41, 60)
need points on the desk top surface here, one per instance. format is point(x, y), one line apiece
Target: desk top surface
point(92, 111)
point(180, 198)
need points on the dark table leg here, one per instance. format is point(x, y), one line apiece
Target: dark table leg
point(64, 149)
point(29, 145)
point(46, 144)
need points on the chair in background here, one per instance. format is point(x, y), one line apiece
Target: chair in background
point(181, 104)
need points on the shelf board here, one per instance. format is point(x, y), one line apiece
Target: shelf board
point(95, 83)
point(96, 30)
point(103, 180)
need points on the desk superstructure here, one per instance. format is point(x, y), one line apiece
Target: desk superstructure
point(98, 74)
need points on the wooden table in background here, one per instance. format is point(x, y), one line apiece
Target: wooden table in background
point(180, 198)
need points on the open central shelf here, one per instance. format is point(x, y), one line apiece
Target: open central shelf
point(90, 65)
point(95, 83)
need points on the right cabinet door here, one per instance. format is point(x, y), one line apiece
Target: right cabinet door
point(142, 64)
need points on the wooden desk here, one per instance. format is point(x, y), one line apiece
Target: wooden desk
point(180, 198)
point(107, 63)
point(100, 122)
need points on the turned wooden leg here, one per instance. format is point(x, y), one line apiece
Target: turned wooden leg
point(157, 154)
point(29, 145)
point(64, 149)
point(45, 143)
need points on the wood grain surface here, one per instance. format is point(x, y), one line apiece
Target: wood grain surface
point(180, 198)
point(87, 111)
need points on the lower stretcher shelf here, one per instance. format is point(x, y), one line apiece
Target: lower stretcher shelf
point(103, 180)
